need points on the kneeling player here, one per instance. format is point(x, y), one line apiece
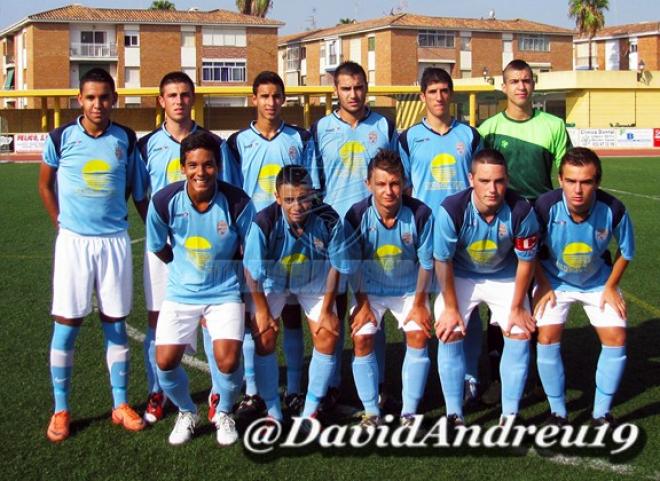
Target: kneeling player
point(389, 239)
point(578, 221)
point(206, 221)
point(478, 235)
point(294, 248)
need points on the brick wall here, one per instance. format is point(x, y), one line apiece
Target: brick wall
point(648, 49)
point(160, 53)
point(261, 51)
point(47, 58)
point(486, 52)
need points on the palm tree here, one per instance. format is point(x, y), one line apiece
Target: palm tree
point(588, 16)
point(256, 8)
point(346, 21)
point(162, 5)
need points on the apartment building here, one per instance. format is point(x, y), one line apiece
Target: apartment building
point(53, 49)
point(395, 49)
point(620, 47)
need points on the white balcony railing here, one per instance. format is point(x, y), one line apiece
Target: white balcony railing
point(93, 50)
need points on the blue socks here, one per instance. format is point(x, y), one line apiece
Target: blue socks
point(472, 345)
point(248, 363)
point(451, 367)
point(267, 375)
point(335, 379)
point(61, 363)
point(380, 345)
point(294, 354)
point(414, 373)
point(116, 355)
point(365, 373)
point(149, 350)
point(229, 387)
point(175, 386)
point(513, 372)
point(210, 358)
point(611, 363)
point(551, 372)
point(320, 370)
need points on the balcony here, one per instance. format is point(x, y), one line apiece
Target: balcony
point(88, 51)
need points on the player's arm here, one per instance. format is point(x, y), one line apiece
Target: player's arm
point(420, 312)
point(157, 232)
point(611, 294)
point(328, 318)
point(47, 178)
point(543, 294)
point(262, 315)
point(137, 182)
point(404, 153)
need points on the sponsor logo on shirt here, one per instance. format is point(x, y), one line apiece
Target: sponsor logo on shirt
point(423, 139)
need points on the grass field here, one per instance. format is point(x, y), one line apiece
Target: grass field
point(99, 450)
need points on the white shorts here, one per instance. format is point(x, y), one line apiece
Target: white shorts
point(154, 278)
point(398, 306)
point(496, 293)
point(310, 303)
point(177, 323)
point(87, 263)
point(590, 303)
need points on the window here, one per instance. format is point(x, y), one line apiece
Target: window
point(466, 44)
point(132, 77)
point(92, 37)
point(322, 55)
point(633, 47)
point(303, 80)
point(223, 71)
point(372, 77)
point(131, 39)
point(435, 38)
point(371, 44)
point(332, 52)
point(188, 39)
point(223, 37)
point(293, 58)
point(533, 43)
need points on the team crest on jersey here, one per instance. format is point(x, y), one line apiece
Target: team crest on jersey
point(118, 152)
point(504, 144)
point(601, 234)
point(460, 148)
point(293, 153)
point(222, 227)
point(373, 137)
point(407, 238)
point(502, 231)
point(319, 244)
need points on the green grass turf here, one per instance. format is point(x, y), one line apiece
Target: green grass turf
point(99, 450)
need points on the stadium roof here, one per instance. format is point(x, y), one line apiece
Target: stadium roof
point(420, 22)
point(80, 13)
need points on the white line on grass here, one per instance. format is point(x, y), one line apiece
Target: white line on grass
point(187, 360)
point(643, 196)
point(593, 464)
point(135, 241)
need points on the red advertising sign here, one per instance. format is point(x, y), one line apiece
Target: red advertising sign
point(656, 137)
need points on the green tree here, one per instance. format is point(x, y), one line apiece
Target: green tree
point(162, 5)
point(345, 21)
point(589, 17)
point(256, 8)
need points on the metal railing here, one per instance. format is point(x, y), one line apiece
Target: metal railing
point(93, 50)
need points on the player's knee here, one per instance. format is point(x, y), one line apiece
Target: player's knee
point(614, 337)
point(363, 345)
point(266, 343)
point(548, 337)
point(455, 337)
point(166, 362)
point(416, 339)
point(325, 342)
point(227, 363)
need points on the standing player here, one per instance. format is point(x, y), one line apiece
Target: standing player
point(294, 248)
point(578, 222)
point(532, 142)
point(346, 140)
point(389, 238)
point(255, 156)
point(160, 152)
point(479, 234)
point(206, 222)
point(89, 167)
point(436, 154)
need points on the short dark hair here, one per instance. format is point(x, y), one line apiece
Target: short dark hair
point(349, 68)
point(97, 75)
point(581, 156)
point(433, 75)
point(516, 65)
point(176, 78)
point(488, 156)
point(200, 139)
point(267, 77)
point(292, 174)
point(387, 160)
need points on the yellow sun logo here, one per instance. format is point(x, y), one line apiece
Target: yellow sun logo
point(173, 171)
point(198, 250)
point(267, 176)
point(482, 251)
point(577, 255)
point(387, 256)
point(443, 168)
point(95, 174)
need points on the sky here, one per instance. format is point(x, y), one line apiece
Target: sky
point(302, 15)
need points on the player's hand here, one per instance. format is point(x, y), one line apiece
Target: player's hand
point(613, 297)
point(448, 321)
point(362, 315)
point(543, 295)
point(523, 319)
point(264, 321)
point(422, 316)
point(329, 321)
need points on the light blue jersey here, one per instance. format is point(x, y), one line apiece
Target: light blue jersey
point(252, 161)
point(161, 156)
point(94, 177)
point(385, 262)
point(206, 264)
point(437, 165)
point(485, 249)
point(282, 261)
point(343, 153)
point(575, 256)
